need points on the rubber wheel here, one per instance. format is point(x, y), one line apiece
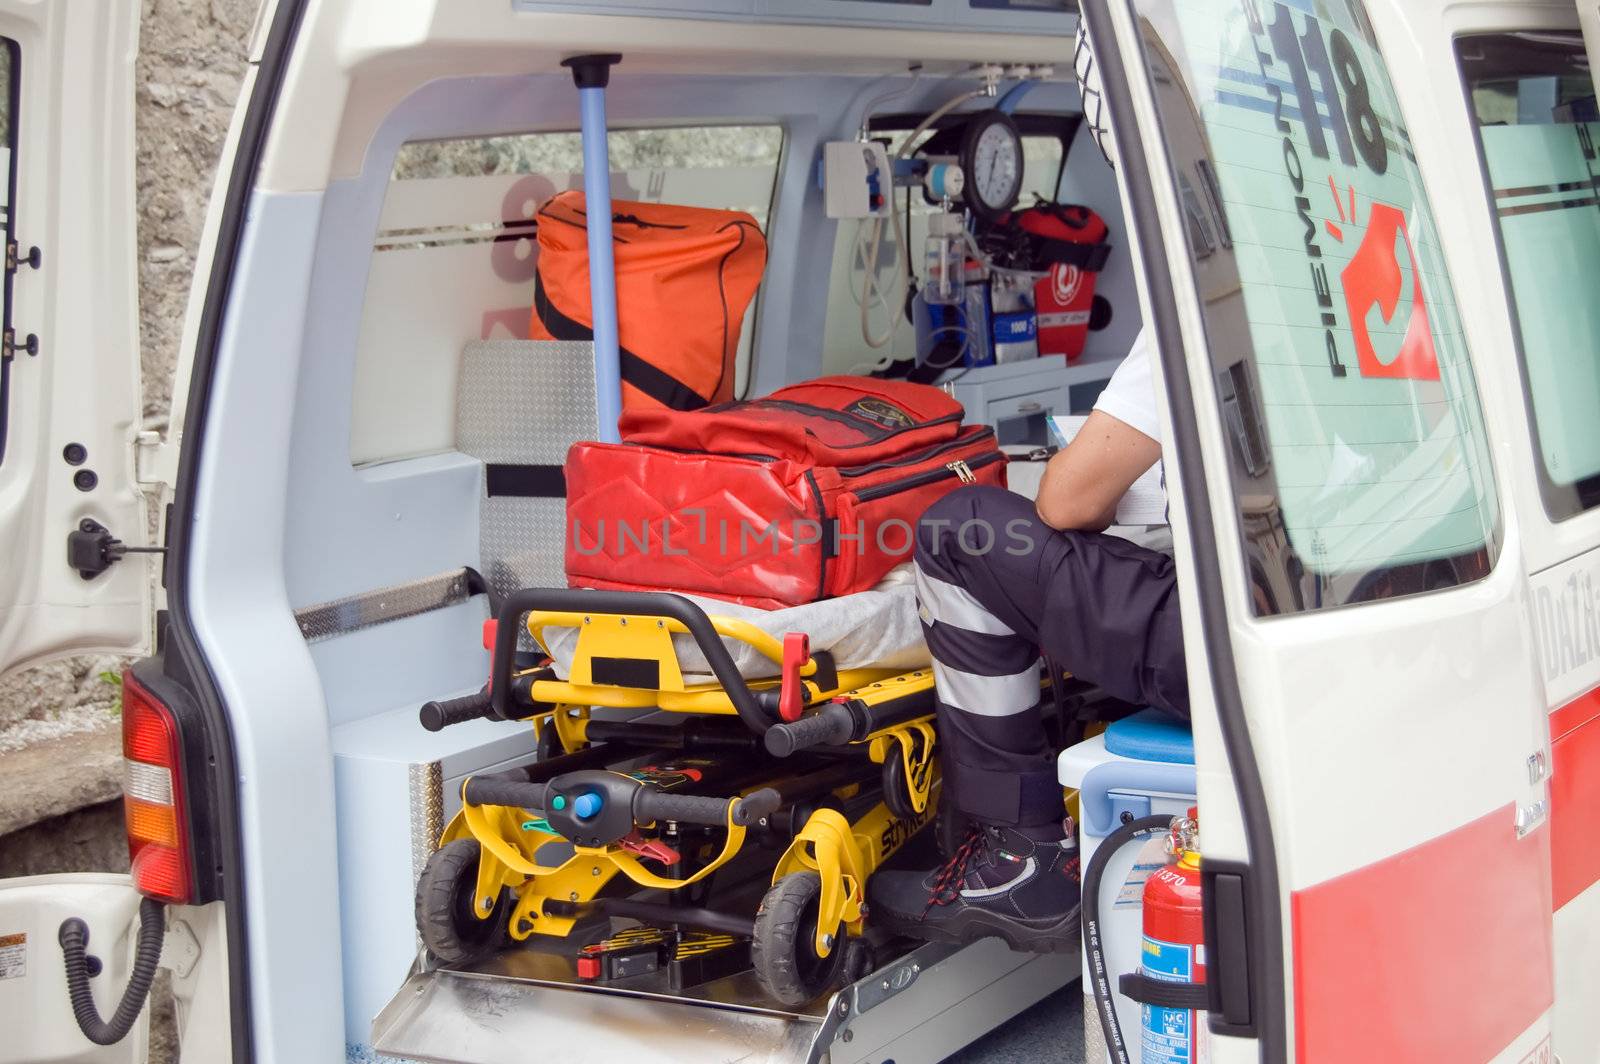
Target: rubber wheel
point(549, 744)
point(783, 951)
point(896, 790)
point(859, 961)
point(445, 918)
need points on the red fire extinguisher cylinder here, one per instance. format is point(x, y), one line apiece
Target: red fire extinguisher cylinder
point(1174, 952)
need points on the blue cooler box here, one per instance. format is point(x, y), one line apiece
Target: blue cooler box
point(1142, 765)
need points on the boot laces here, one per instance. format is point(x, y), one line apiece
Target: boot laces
point(947, 881)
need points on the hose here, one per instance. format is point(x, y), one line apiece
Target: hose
point(1099, 981)
point(870, 240)
point(74, 939)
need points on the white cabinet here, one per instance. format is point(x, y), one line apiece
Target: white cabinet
point(1016, 397)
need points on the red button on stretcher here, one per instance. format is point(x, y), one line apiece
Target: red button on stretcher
point(588, 967)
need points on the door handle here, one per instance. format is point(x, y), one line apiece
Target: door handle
point(1531, 816)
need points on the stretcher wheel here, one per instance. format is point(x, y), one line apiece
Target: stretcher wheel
point(549, 744)
point(859, 961)
point(783, 950)
point(450, 928)
point(896, 788)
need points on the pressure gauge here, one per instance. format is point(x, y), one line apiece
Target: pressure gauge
point(991, 155)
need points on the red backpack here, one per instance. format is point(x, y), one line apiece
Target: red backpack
point(809, 493)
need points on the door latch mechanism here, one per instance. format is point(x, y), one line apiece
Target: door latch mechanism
point(15, 258)
point(1531, 816)
point(9, 345)
point(91, 549)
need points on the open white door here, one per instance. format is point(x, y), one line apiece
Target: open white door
point(69, 365)
point(1379, 847)
point(34, 998)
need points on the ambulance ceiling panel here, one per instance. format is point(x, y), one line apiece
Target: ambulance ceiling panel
point(355, 60)
point(982, 16)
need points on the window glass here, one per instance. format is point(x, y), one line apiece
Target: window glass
point(1533, 102)
point(727, 167)
point(455, 258)
point(1359, 455)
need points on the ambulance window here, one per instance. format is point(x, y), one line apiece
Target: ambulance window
point(1533, 101)
point(1360, 461)
point(455, 255)
point(9, 89)
point(1044, 140)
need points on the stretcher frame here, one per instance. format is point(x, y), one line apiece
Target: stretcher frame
point(873, 717)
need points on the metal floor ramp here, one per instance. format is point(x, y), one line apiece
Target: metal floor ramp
point(525, 1006)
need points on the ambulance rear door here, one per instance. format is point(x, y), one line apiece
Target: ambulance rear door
point(69, 342)
point(1370, 735)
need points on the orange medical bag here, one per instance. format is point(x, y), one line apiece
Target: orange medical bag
point(685, 276)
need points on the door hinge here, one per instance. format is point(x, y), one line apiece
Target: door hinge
point(8, 339)
point(91, 548)
point(155, 459)
point(9, 347)
point(14, 259)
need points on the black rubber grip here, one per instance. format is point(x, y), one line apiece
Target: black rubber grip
point(755, 805)
point(650, 804)
point(497, 790)
point(832, 725)
point(441, 713)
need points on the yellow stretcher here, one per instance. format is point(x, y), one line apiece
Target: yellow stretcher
point(841, 765)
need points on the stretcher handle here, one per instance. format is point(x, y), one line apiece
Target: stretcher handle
point(443, 712)
point(650, 804)
point(834, 724)
point(630, 604)
point(498, 790)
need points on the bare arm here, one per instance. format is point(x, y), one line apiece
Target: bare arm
point(1083, 483)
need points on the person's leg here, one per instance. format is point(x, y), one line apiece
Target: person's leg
point(994, 584)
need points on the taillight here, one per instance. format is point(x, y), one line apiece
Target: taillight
point(152, 795)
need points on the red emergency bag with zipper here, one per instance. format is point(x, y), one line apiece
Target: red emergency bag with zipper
point(809, 493)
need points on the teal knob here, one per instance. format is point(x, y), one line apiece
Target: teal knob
point(585, 806)
point(559, 802)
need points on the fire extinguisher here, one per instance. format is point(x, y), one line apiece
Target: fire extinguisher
point(1170, 984)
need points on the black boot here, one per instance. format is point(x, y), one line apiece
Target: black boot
point(1020, 884)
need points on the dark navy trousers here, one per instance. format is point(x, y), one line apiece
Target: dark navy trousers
point(997, 587)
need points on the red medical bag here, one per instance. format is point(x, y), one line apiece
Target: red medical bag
point(809, 493)
point(1068, 242)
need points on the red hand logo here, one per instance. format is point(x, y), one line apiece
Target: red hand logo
point(1374, 278)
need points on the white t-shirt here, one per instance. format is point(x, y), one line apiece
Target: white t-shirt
point(1130, 397)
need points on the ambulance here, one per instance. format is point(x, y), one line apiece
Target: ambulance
point(1363, 234)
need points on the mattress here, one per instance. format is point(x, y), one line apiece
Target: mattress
point(870, 629)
